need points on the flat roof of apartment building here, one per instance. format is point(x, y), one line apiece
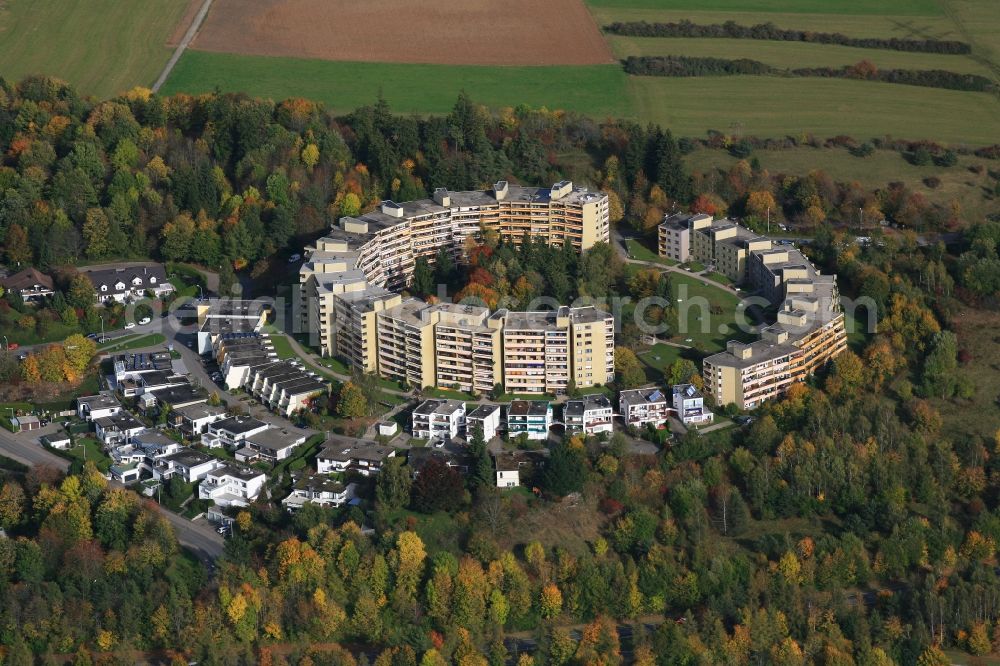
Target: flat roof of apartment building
point(143, 361)
point(238, 425)
point(446, 407)
point(528, 408)
point(410, 312)
point(759, 351)
point(643, 395)
point(483, 412)
point(200, 411)
point(587, 403)
point(99, 401)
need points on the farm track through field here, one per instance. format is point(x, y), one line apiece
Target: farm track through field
point(182, 46)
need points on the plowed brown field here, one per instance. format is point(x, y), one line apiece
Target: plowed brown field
point(467, 32)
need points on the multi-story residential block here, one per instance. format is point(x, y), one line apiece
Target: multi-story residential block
point(438, 419)
point(406, 343)
point(232, 485)
point(93, 407)
point(674, 234)
point(231, 432)
point(689, 405)
point(532, 418)
point(237, 354)
point(485, 417)
point(467, 348)
point(345, 276)
point(343, 454)
point(809, 331)
point(641, 407)
point(544, 351)
point(589, 414)
point(319, 490)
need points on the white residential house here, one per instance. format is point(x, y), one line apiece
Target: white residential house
point(58, 440)
point(486, 417)
point(438, 419)
point(319, 490)
point(97, 406)
point(508, 470)
point(195, 419)
point(231, 432)
point(590, 415)
point(232, 485)
point(127, 283)
point(189, 464)
point(640, 407)
point(342, 454)
point(270, 445)
point(387, 428)
point(117, 428)
point(690, 405)
point(530, 417)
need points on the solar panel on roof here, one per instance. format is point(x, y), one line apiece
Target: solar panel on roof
point(656, 396)
point(690, 391)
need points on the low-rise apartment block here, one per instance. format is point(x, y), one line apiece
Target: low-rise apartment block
point(117, 428)
point(319, 490)
point(590, 415)
point(193, 420)
point(284, 386)
point(270, 445)
point(484, 417)
point(689, 405)
point(188, 464)
point(343, 454)
point(232, 485)
point(228, 317)
point(438, 419)
point(532, 418)
point(231, 432)
point(642, 407)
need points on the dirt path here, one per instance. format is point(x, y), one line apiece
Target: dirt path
point(182, 46)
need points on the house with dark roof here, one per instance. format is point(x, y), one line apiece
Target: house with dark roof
point(31, 284)
point(128, 283)
point(342, 454)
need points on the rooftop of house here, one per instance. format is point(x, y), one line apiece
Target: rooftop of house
point(275, 439)
point(152, 438)
point(445, 407)
point(142, 361)
point(26, 279)
point(343, 449)
point(319, 483)
point(587, 403)
point(643, 395)
point(120, 421)
point(236, 472)
point(528, 408)
point(686, 390)
point(483, 412)
point(418, 458)
point(100, 401)
point(237, 425)
point(188, 457)
point(200, 411)
point(126, 274)
point(183, 394)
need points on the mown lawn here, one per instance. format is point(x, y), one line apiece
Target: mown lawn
point(697, 326)
point(128, 342)
point(104, 47)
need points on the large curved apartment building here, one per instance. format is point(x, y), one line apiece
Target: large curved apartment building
point(350, 278)
point(809, 326)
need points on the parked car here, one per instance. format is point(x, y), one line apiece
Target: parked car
point(12, 346)
point(144, 320)
point(295, 257)
point(130, 325)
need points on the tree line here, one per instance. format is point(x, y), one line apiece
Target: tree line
point(769, 31)
point(689, 66)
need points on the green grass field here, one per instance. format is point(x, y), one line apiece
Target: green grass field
point(958, 183)
point(597, 90)
point(128, 342)
point(103, 47)
point(896, 7)
point(697, 326)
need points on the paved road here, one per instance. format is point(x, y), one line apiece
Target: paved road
point(182, 46)
point(198, 537)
